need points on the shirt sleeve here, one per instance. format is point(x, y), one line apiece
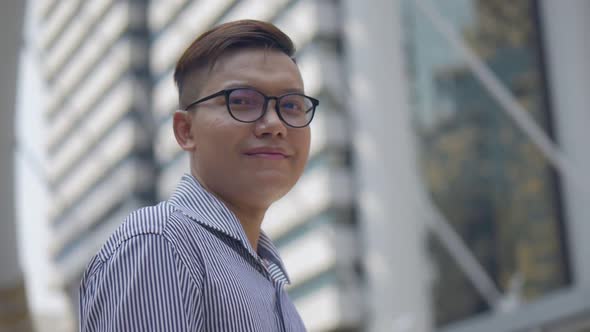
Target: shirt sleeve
point(143, 286)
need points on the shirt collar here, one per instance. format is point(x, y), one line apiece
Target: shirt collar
point(206, 209)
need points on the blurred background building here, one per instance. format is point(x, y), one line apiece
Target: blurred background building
point(95, 61)
point(446, 189)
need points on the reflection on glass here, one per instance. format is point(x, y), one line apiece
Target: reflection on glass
point(487, 178)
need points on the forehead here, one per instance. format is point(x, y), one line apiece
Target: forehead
point(266, 69)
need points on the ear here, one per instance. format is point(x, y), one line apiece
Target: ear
point(182, 124)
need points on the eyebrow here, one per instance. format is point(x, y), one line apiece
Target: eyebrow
point(234, 85)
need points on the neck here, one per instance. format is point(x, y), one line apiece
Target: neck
point(251, 220)
point(250, 217)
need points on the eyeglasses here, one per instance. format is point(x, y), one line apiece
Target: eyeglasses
point(249, 105)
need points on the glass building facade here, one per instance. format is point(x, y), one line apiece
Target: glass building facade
point(488, 179)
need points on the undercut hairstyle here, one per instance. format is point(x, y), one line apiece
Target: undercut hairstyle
point(243, 34)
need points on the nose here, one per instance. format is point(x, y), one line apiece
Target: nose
point(270, 124)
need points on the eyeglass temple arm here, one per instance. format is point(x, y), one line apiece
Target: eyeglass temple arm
point(223, 92)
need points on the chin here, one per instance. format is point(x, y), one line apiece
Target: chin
point(270, 184)
point(271, 191)
point(272, 177)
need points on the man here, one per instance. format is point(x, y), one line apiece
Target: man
point(199, 261)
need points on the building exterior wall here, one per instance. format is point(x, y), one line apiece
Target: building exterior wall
point(357, 232)
point(99, 143)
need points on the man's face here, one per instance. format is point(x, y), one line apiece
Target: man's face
point(248, 164)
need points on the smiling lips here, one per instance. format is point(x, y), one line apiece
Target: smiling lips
point(267, 153)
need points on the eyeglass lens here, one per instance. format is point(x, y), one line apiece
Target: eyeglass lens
point(248, 105)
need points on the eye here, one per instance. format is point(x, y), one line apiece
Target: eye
point(296, 104)
point(293, 103)
point(245, 98)
point(241, 100)
point(291, 106)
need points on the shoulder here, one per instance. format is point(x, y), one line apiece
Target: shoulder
point(149, 220)
point(137, 263)
point(161, 227)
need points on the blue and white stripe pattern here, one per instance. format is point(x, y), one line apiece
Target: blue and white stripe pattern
point(186, 265)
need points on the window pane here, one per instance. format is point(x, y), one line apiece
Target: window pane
point(484, 174)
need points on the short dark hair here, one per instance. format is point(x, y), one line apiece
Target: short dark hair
point(242, 34)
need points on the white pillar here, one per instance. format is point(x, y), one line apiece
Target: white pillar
point(566, 26)
point(388, 189)
point(13, 304)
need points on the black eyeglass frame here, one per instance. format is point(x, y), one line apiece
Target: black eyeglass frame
point(277, 99)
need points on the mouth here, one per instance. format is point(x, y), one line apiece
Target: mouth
point(267, 153)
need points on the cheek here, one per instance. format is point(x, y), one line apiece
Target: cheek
point(211, 133)
point(306, 139)
point(219, 144)
point(302, 142)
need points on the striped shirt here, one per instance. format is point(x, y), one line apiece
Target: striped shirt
point(186, 265)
